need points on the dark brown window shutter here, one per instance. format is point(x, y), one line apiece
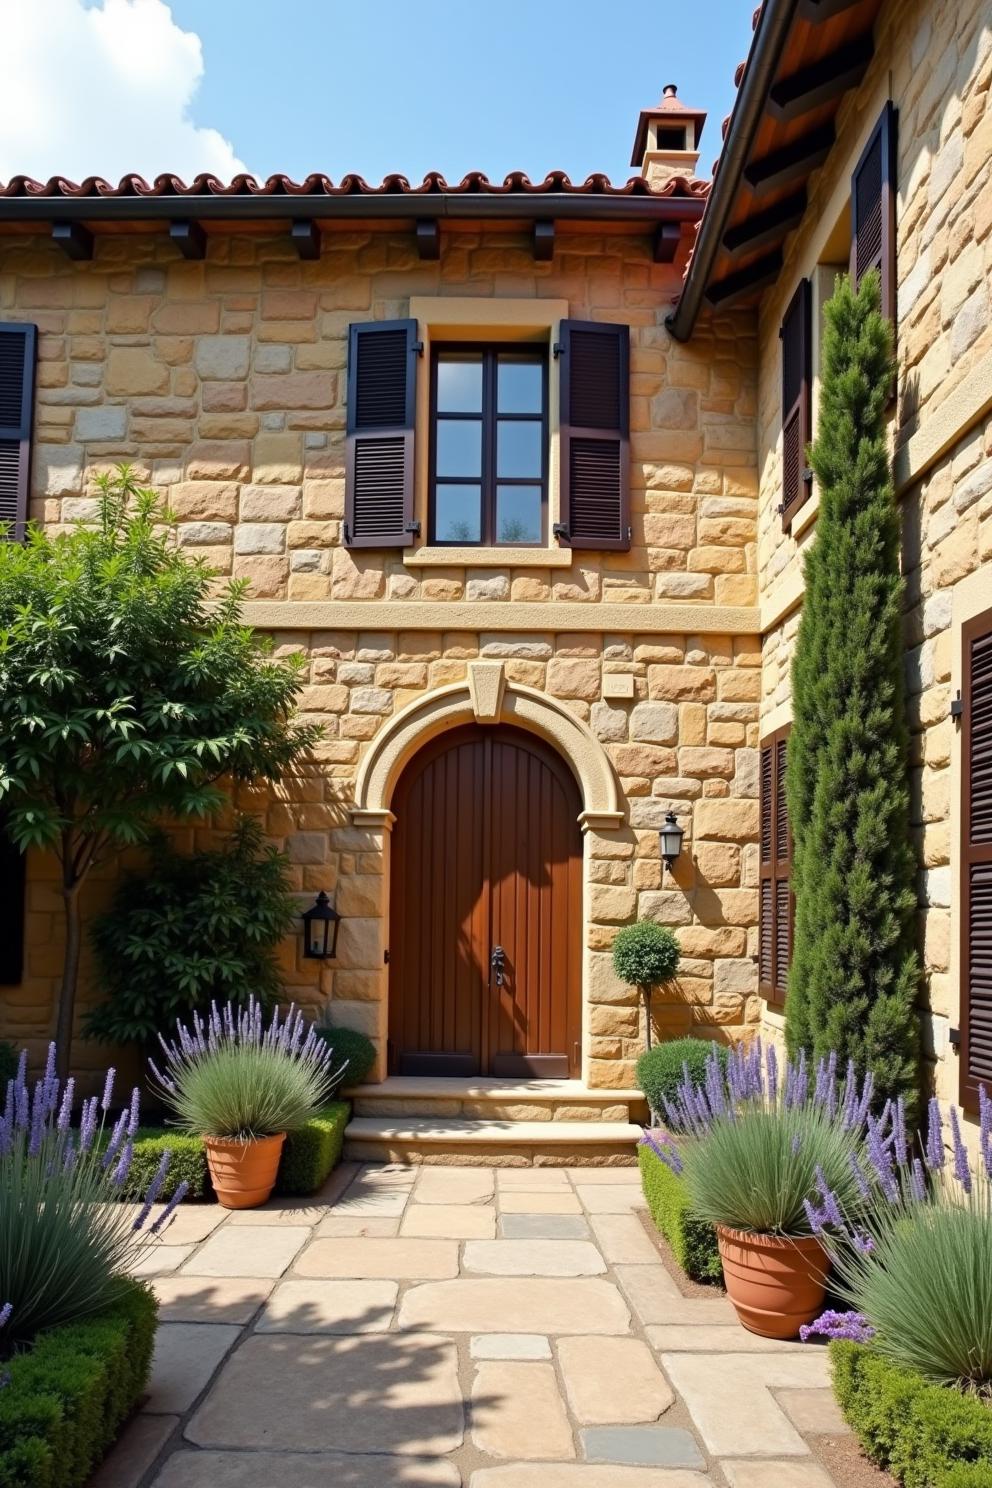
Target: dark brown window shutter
point(382, 403)
point(12, 884)
point(595, 435)
point(873, 210)
point(797, 400)
point(17, 358)
point(776, 901)
point(976, 860)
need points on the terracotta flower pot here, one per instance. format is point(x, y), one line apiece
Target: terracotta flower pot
point(775, 1283)
point(243, 1173)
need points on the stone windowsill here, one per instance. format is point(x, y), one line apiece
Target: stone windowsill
point(428, 557)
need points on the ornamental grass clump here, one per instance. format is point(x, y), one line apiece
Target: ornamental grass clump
point(234, 1077)
point(753, 1146)
point(914, 1258)
point(66, 1244)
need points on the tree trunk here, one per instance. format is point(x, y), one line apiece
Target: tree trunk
point(646, 994)
point(70, 977)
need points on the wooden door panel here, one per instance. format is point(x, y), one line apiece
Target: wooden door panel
point(486, 851)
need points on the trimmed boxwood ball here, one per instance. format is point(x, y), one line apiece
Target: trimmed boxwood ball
point(354, 1050)
point(645, 954)
point(66, 1398)
point(926, 1435)
point(660, 1070)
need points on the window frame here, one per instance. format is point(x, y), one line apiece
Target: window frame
point(490, 418)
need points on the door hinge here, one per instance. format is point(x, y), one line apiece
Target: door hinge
point(807, 476)
point(418, 347)
point(957, 706)
point(560, 531)
point(954, 1038)
point(557, 349)
point(346, 532)
point(413, 528)
point(385, 958)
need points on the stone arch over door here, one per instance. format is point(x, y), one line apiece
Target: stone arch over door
point(486, 696)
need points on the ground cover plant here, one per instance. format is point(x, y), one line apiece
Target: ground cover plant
point(128, 692)
point(855, 972)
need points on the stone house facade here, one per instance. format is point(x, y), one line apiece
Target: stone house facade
point(505, 462)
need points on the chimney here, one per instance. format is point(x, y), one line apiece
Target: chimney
point(667, 139)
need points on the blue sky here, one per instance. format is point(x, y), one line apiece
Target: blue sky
point(415, 85)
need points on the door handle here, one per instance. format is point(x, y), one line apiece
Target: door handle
point(497, 963)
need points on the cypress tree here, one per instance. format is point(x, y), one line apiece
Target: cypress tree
point(855, 973)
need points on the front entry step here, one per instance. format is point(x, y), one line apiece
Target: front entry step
point(494, 1143)
point(480, 1098)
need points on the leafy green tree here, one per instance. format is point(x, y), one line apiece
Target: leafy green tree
point(128, 691)
point(646, 955)
point(855, 974)
point(194, 929)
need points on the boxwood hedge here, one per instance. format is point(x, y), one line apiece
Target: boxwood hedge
point(926, 1435)
point(692, 1240)
point(65, 1399)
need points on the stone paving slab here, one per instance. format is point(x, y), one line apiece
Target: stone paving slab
point(611, 1198)
point(186, 1356)
point(454, 1185)
point(532, 1258)
point(543, 1227)
point(642, 1446)
point(137, 1447)
point(655, 1298)
point(532, 1180)
point(517, 1411)
point(717, 1338)
point(730, 1399)
point(493, 1305)
point(813, 1412)
point(189, 1224)
point(510, 1346)
point(334, 1225)
point(373, 1201)
point(582, 1475)
point(612, 1381)
point(622, 1240)
point(206, 1299)
point(391, 1260)
point(154, 1259)
point(257, 1250)
point(538, 1201)
point(450, 1221)
point(744, 1474)
point(304, 1470)
point(329, 1307)
point(380, 1393)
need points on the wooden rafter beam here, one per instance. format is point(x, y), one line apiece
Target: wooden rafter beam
point(766, 227)
point(306, 237)
point(822, 81)
point(667, 236)
point(755, 275)
point(189, 238)
point(792, 162)
point(428, 238)
point(74, 238)
point(544, 241)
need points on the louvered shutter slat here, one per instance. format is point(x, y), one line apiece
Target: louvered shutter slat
point(797, 407)
point(595, 431)
point(976, 860)
point(17, 364)
point(873, 210)
point(766, 855)
point(382, 374)
point(775, 906)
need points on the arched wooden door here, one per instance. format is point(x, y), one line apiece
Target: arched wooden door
point(486, 857)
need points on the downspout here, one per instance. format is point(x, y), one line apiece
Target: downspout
point(766, 49)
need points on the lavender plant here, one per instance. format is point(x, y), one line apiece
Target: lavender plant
point(65, 1243)
point(754, 1142)
point(915, 1259)
point(232, 1076)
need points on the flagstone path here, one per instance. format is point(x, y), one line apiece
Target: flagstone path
point(435, 1327)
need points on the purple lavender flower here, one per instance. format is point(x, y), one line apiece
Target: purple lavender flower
point(5, 1312)
point(181, 1191)
point(985, 1129)
point(154, 1189)
point(935, 1136)
point(108, 1090)
point(853, 1326)
point(962, 1168)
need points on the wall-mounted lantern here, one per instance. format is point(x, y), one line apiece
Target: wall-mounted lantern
point(670, 836)
point(320, 929)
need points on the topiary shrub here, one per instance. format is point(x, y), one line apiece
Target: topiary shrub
point(65, 1399)
point(310, 1152)
point(353, 1054)
point(693, 1241)
point(927, 1436)
point(660, 1071)
point(646, 956)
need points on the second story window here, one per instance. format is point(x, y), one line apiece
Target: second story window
point(489, 446)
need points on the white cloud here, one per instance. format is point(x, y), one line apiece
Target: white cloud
point(102, 90)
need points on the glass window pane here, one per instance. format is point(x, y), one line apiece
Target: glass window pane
point(458, 514)
point(519, 448)
point(459, 447)
point(518, 514)
point(520, 385)
point(459, 382)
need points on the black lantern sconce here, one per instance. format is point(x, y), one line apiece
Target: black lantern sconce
point(670, 836)
point(320, 929)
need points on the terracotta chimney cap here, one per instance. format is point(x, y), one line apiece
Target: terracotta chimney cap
point(670, 90)
point(670, 103)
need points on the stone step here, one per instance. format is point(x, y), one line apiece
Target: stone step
point(483, 1099)
point(495, 1143)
